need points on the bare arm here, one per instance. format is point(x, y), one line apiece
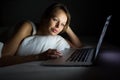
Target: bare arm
point(11, 46)
point(12, 60)
point(74, 40)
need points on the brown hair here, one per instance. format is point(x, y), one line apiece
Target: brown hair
point(49, 13)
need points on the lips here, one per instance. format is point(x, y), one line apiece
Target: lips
point(54, 30)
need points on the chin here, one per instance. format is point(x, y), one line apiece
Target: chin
point(53, 34)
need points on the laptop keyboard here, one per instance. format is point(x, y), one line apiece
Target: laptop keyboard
point(79, 55)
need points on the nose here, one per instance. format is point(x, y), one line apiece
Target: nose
point(57, 25)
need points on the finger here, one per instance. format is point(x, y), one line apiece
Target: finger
point(61, 54)
point(54, 52)
point(54, 56)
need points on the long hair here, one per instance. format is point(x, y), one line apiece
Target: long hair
point(48, 13)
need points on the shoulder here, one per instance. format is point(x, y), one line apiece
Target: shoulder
point(24, 29)
point(25, 25)
point(25, 22)
point(29, 25)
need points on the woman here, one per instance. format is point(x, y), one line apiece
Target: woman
point(47, 43)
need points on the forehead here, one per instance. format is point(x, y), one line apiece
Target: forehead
point(60, 14)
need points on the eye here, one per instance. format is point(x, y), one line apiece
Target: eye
point(55, 19)
point(63, 25)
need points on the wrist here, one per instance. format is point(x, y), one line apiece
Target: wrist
point(41, 56)
point(68, 29)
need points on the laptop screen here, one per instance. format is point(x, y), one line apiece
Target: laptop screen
point(102, 35)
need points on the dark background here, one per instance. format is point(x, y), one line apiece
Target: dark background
point(88, 16)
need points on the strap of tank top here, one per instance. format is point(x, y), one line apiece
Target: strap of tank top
point(34, 28)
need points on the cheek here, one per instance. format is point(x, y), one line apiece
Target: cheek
point(51, 24)
point(61, 29)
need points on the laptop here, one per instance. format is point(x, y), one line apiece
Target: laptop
point(85, 56)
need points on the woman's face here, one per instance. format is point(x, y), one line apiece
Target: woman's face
point(57, 22)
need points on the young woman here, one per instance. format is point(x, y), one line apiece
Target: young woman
point(36, 42)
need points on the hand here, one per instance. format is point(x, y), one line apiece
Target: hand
point(53, 53)
point(68, 28)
